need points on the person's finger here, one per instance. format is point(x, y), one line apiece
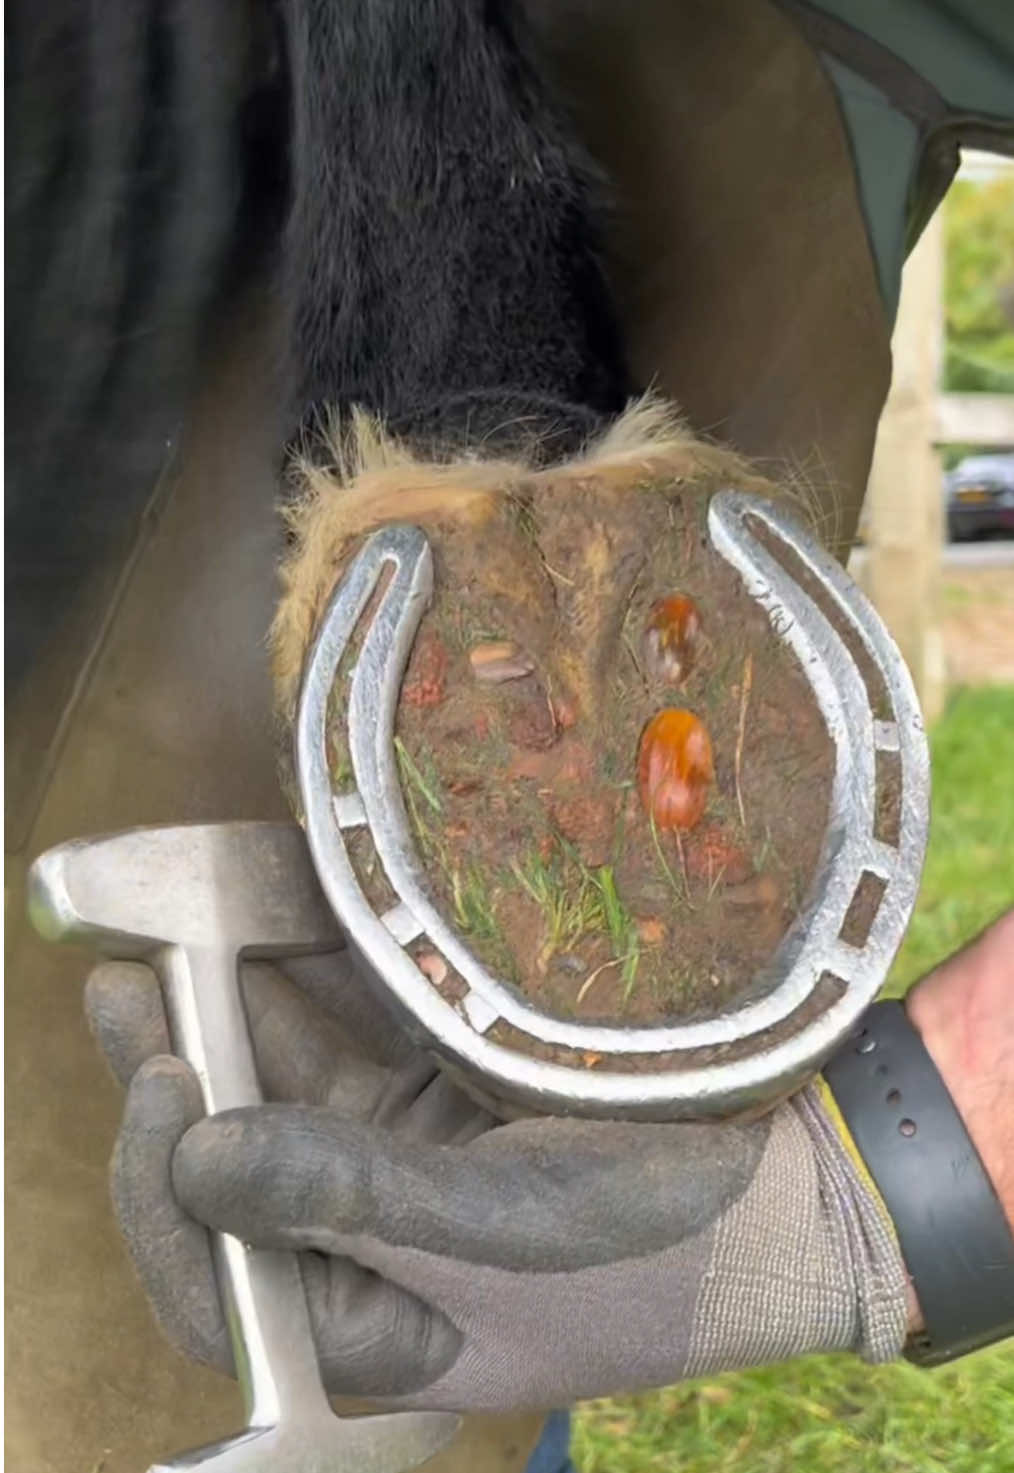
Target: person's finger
point(302, 1055)
point(442, 1115)
point(170, 1250)
point(542, 1195)
point(373, 1337)
point(405, 1086)
point(342, 986)
point(305, 1056)
point(123, 1006)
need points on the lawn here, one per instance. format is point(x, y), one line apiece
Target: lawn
point(832, 1414)
point(969, 874)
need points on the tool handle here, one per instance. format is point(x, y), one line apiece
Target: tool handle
point(262, 1291)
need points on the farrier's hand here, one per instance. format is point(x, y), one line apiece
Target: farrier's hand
point(321, 1038)
point(450, 1262)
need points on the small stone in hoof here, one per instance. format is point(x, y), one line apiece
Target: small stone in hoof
point(426, 681)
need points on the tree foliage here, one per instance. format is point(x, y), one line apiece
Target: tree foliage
point(979, 286)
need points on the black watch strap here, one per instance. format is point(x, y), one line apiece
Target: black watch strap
point(954, 1236)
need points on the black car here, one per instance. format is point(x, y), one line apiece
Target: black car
point(979, 496)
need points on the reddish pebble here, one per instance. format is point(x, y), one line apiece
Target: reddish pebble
point(712, 856)
point(534, 726)
point(675, 769)
point(500, 661)
point(651, 930)
point(461, 787)
point(671, 638)
point(589, 823)
point(426, 681)
point(565, 712)
point(433, 966)
point(763, 890)
point(570, 761)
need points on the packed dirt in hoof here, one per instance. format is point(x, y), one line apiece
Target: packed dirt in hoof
point(558, 633)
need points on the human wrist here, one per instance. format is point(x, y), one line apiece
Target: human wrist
point(922, 1089)
point(964, 1013)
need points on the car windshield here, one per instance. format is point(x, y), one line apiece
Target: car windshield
point(992, 467)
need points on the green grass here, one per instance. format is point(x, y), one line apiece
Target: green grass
point(969, 874)
point(566, 896)
point(576, 902)
point(833, 1414)
point(410, 774)
point(824, 1414)
point(620, 924)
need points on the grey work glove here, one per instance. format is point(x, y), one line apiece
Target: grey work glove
point(454, 1262)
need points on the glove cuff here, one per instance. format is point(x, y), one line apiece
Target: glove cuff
point(804, 1261)
point(857, 1217)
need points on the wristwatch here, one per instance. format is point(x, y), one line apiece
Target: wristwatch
point(953, 1233)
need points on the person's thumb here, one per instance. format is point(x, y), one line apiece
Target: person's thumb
point(537, 1195)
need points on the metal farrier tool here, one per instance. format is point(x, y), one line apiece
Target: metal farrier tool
point(192, 902)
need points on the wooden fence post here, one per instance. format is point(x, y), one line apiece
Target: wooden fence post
point(905, 527)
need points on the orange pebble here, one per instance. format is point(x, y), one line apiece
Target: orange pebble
point(675, 768)
point(671, 638)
